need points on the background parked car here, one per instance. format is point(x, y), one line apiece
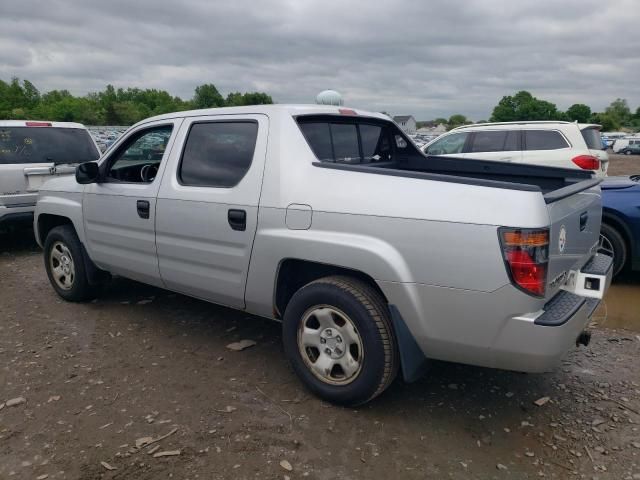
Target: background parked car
point(33, 152)
point(553, 144)
point(622, 143)
point(620, 230)
point(631, 150)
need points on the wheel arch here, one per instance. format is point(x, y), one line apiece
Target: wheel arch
point(614, 221)
point(294, 273)
point(47, 222)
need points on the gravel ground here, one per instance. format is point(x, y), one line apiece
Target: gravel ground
point(623, 164)
point(98, 378)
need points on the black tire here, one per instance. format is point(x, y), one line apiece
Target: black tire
point(627, 152)
point(618, 245)
point(79, 290)
point(369, 314)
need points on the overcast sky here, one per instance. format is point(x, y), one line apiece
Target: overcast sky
point(424, 58)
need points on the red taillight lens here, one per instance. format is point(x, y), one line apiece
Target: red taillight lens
point(526, 254)
point(38, 124)
point(587, 162)
point(347, 111)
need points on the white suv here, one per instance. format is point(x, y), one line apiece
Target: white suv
point(32, 152)
point(554, 144)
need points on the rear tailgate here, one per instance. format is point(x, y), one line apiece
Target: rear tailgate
point(575, 213)
point(19, 183)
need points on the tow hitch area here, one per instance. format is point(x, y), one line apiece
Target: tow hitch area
point(584, 338)
point(593, 280)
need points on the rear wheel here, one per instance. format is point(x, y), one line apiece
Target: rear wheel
point(612, 244)
point(338, 338)
point(627, 152)
point(64, 263)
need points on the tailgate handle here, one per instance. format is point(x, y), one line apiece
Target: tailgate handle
point(583, 220)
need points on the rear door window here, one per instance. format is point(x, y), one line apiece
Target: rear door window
point(218, 154)
point(494, 141)
point(544, 140)
point(19, 145)
point(448, 144)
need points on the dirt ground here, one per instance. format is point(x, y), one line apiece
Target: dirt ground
point(623, 164)
point(143, 362)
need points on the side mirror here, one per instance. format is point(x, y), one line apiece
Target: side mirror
point(87, 173)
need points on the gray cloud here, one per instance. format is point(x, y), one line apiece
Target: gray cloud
point(431, 58)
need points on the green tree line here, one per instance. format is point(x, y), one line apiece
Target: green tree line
point(524, 106)
point(21, 100)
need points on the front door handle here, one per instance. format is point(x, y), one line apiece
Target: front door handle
point(143, 208)
point(237, 219)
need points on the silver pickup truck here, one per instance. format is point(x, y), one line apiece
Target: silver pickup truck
point(374, 257)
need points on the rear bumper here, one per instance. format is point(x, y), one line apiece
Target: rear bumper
point(485, 328)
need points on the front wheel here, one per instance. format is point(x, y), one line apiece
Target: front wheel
point(338, 338)
point(612, 244)
point(64, 263)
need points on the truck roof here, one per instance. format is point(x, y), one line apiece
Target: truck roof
point(25, 123)
point(291, 109)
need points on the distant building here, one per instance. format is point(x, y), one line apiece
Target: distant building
point(407, 123)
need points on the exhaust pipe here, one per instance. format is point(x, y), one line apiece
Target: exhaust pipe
point(584, 338)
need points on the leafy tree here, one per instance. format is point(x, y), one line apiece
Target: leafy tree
point(207, 96)
point(579, 112)
point(256, 98)
point(524, 106)
point(608, 123)
point(235, 99)
point(456, 120)
point(619, 111)
point(121, 106)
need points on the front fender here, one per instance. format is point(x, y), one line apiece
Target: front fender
point(67, 206)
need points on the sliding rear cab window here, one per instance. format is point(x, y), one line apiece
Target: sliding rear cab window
point(351, 142)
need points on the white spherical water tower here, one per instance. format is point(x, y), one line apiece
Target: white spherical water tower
point(329, 97)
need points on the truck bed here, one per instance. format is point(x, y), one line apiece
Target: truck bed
point(554, 183)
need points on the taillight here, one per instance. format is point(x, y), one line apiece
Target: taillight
point(37, 124)
point(526, 255)
point(587, 162)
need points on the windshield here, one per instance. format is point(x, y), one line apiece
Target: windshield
point(592, 138)
point(46, 145)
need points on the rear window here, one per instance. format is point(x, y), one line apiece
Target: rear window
point(349, 142)
point(544, 140)
point(218, 154)
point(495, 141)
point(592, 138)
point(46, 145)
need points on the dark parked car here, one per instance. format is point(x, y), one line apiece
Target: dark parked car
point(620, 231)
point(631, 150)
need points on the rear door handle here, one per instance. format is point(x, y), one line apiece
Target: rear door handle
point(143, 208)
point(583, 220)
point(237, 219)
